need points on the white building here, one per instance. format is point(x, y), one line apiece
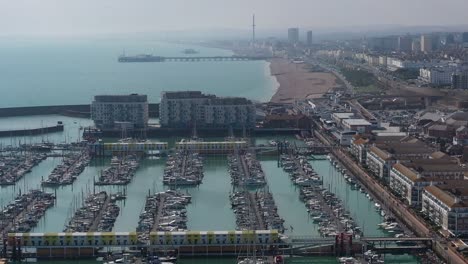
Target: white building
point(306, 107)
point(357, 124)
point(396, 63)
point(383, 61)
point(426, 43)
point(437, 75)
point(129, 111)
point(447, 206)
point(193, 108)
point(339, 117)
point(409, 179)
point(382, 157)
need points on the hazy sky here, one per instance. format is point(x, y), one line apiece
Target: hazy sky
point(110, 16)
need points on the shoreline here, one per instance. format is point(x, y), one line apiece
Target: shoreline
point(296, 81)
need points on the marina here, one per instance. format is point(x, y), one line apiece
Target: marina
point(98, 213)
point(71, 167)
point(14, 166)
point(323, 207)
point(24, 213)
point(245, 170)
point(211, 194)
point(300, 170)
point(120, 172)
point(183, 169)
point(164, 211)
point(256, 211)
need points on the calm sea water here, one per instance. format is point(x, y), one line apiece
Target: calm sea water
point(55, 72)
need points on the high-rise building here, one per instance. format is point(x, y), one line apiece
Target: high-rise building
point(436, 41)
point(193, 108)
point(404, 43)
point(460, 79)
point(416, 45)
point(449, 39)
point(426, 43)
point(111, 111)
point(293, 35)
point(389, 43)
point(465, 37)
point(437, 75)
point(309, 38)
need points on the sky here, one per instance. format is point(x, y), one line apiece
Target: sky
point(70, 17)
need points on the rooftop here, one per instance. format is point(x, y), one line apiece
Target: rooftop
point(440, 127)
point(453, 193)
point(137, 98)
point(184, 95)
point(405, 148)
point(360, 141)
point(230, 101)
point(434, 169)
point(356, 122)
point(343, 115)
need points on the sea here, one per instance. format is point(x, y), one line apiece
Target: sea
point(40, 72)
point(71, 71)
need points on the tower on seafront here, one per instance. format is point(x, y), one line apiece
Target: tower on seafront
point(253, 29)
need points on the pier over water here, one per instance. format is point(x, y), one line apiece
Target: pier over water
point(152, 58)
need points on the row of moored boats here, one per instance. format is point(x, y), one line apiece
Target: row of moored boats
point(98, 214)
point(300, 170)
point(15, 165)
point(245, 170)
point(328, 211)
point(164, 211)
point(183, 168)
point(66, 173)
point(25, 212)
point(255, 211)
point(121, 171)
point(324, 207)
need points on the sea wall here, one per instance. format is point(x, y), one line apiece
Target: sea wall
point(66, 110)
point(32, 131)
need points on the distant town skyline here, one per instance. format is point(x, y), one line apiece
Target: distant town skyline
point(57, 17)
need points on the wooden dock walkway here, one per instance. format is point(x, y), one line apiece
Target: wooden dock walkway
point(259, 224)
point(245, 169)
point(158, 213)
point(98, 218)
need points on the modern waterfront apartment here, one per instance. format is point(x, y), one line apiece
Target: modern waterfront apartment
point(447, 206)
point(381, 158)
point(120, 111)
point(193, 108)
point(408, 179)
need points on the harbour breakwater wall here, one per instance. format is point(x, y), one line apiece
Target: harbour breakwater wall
point(66, 110)
point(31, 132)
